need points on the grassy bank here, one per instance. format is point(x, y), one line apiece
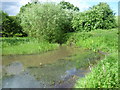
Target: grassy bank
point(14, 46)
point(105, 73)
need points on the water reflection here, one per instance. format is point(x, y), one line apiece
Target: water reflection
point(47, 70)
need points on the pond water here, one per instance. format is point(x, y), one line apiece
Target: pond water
point(53, 69)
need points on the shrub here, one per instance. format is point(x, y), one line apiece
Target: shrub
point(45, 20)
point(98, 17)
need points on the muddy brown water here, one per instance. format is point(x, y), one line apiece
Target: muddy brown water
point(53, 69)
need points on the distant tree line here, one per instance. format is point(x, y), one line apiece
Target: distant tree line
point(51, 21)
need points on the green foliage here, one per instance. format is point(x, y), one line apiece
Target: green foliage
point(105, 73)
point(98, 17)
point(22, 9)
point(96, 40)
point(20, 45)
point(116, 18)
point(45, 20)
point(71, 10)
point(9, 24)
point(69, 6)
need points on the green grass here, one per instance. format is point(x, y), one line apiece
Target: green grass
point(105, 40)
point(105, 73)
point(15, 45)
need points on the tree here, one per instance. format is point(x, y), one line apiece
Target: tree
point(10, 26)
point(97, 17)
point(69, 6)
point(45, 20)
point(23, 7)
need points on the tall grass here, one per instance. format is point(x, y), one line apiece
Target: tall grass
point(13, 46)
point(105, 73)
point(104, 40)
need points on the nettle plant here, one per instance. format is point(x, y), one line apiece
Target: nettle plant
point(46, 20)
point(97, 17)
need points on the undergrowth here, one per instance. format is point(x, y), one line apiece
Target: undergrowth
point(105, 73)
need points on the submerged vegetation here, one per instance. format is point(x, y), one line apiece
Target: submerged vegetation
point(40, 27)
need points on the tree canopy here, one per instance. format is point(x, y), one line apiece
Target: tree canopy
point(69, 6)
point(10, 26)
point(46, 20)
point(97, 17)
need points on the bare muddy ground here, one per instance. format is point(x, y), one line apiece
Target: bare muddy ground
point(54, 69)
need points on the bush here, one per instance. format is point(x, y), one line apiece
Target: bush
point(98, 17)
point(45, 20)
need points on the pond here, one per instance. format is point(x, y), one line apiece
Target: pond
point(53, 69)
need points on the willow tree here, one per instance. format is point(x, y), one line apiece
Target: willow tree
point(46, 20)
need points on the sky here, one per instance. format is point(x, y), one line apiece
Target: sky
point(12, 7)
